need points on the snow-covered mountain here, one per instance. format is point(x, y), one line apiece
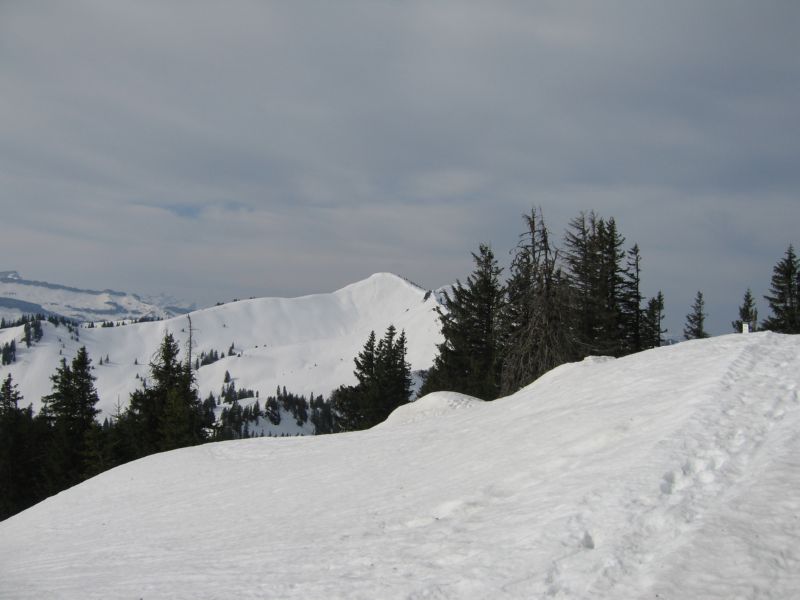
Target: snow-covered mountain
point(672, 473)
point(20, 296)
point(306, 344)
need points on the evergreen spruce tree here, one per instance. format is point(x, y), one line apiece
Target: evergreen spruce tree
point(653, 334)
point(784, 296)
point(393, 373)
point(272, 410)
point(695, 320)
point(36, 326)
point(580, 243)
point(610, 335)
point(594, 259)
point(9, 396)
point(631, 303)
point(166, 414)
point(346, 403)
point(71, 410)
point(384, 383)
point(22, 440)
point(322, 416)
point(365, 362)
point(535, 320)
point(747, 314)
point(469, 359)
point(9, 353)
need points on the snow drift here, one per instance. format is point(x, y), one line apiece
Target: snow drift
point(668, 474)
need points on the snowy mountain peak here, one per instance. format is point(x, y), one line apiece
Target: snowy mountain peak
point(384, 282)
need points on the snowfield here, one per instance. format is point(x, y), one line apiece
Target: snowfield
point(673, 473)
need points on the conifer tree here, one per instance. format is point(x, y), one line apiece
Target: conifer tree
point(347, 404)
point(22, 439)
point(9, 353)
point(594, 258)
point(167, 414)
point(71, 409)
point(631, 303)
point(610, 335)
point(580, 243)
point(322, 416)
point(747, 314)
point(365, 362)
point(9, 396)
point(535, 320)
point(469, 359)
point(784, 296)
point(384, 383)
point(36, 327)
point(393, 373)
point(653, 334)
point(695, 320)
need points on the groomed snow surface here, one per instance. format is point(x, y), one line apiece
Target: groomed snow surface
point(673, 473)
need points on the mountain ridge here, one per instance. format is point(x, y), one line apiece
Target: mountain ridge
point(42, 297)
point(306, 344)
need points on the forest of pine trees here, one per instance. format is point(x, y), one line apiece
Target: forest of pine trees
point(563, 304)
point(384, 383)
point(556, 306)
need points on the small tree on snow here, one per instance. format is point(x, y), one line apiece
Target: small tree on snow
point(747, 313)
point(695, 320)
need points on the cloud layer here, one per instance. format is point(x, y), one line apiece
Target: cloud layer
point(261, 148)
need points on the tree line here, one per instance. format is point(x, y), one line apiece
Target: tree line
point(561, 304)
point(783, 299)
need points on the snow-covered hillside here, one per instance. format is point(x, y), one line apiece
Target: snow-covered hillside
point(306, 344)
point(20, 296)
point(673, 473)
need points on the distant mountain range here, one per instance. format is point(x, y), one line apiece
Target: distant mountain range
point(306, 344)
point(20, 296)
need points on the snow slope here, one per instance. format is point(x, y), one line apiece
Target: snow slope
point(306, 344)
point(673, 473)
point(20, 296)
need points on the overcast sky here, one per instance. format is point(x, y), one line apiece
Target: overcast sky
point(214, 150)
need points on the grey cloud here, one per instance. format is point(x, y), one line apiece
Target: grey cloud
point(281, 148)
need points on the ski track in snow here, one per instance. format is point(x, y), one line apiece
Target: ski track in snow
point(718, 451)
point(670, 474)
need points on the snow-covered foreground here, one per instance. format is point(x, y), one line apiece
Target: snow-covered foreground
point(669, 474)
